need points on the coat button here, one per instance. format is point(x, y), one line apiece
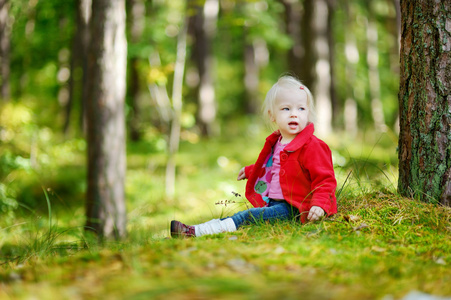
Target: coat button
point(283, 156)
point(282, 172)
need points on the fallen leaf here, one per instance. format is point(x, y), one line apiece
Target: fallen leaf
point(361, 226)
point(279, 250)
point(351, 218)
point(378, 249)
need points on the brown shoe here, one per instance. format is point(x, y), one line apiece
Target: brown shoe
point(180, 230)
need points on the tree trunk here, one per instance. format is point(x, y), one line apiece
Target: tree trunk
point(255, 57)
point(352, 58)
point(105, 207)
point(202, 27)
point(86, 15)
point(136, 17)
point(176, 124)
point(331, 6)
point(307, 71)
point(293, 23)
point(5, 41)
point(425, 101)
point(321, 87)
point(78, 61)
point(373, 71)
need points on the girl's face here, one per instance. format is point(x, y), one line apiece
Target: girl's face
point(290, 113)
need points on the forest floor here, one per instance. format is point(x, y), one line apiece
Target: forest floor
point(379, 245)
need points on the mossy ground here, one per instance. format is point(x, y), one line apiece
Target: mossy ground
point(379, 245)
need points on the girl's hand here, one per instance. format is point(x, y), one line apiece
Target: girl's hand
point(241, 175)
point(315, 213)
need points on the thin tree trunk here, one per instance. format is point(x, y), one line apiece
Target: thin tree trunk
point(255, 57)
point(136, 23)
point(352, 58)
point(293, 21)
point(203, 27)
point(331, 5)
point(174, 138)
point(373, 72)
point(307, 69)
point(425, 101)
point(323, 82)
point(77, 60)
point(159, 93)
point(5, 45)
point(86, 17)
point(105, 206)
point(394, 57)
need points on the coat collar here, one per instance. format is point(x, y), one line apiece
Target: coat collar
point(298, 141)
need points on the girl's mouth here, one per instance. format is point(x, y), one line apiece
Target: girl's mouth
point(293, 124)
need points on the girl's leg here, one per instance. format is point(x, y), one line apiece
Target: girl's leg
point(180, 230)
point(279, 210)
point(276, 210)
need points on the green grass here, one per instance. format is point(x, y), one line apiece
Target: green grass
point(378, 245)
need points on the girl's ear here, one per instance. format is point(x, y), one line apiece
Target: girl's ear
point(271, 117)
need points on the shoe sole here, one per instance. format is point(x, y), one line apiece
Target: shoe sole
point(174, 232)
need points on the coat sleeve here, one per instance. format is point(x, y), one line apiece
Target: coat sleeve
point(248, 170)
point(318, 163)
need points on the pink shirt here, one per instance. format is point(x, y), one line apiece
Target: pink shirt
point(275, 191)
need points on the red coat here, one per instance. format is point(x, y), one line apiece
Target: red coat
point(306, 174)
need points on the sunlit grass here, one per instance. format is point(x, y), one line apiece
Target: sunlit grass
point(378, 245)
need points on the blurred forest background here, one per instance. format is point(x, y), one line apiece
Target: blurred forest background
point(346, 51)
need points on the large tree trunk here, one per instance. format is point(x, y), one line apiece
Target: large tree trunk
point(425, 101)
point(5, 36)
point(105, 208)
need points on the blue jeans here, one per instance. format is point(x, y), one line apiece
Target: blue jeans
point(276, 210)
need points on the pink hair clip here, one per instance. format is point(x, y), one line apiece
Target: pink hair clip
point(301, 87)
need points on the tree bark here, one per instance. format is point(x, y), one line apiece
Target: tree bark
point(5, 45)
point(105, 206)
point(352, 58)
point(136, 17)
point(425, 101)
point(293, 22)
point(307, 69)
point(177, 104)
point(377, 110)
point(331, 6)
point(322, 84)
point(79, 61)
point(202, 27)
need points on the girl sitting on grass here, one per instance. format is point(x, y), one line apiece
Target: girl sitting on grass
point(293, 176)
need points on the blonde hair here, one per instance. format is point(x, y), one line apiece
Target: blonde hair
point(287, 82)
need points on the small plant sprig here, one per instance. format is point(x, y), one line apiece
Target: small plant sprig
point(229, 201)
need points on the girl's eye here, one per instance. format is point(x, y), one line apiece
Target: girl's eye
point(301, 108)
point(285, 108)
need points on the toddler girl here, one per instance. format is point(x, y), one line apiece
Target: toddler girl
point(293, 175)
